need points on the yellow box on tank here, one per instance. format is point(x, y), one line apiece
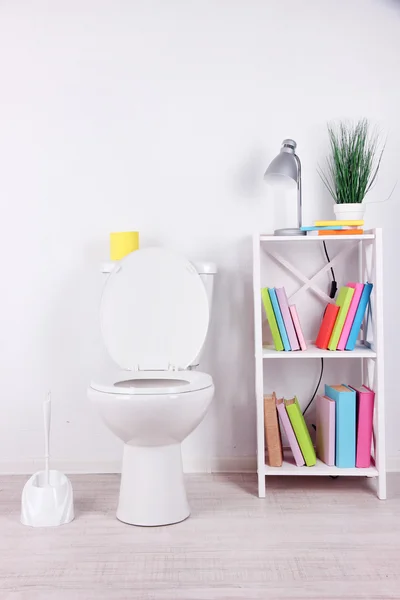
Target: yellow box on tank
point(123, 243)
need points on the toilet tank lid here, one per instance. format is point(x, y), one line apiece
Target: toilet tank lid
point(205, 268)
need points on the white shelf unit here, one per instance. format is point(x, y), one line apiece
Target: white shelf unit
point(370, 354)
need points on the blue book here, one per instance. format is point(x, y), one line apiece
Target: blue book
point(324, 228)
point(358, 317)
point(345, 416)
point(279, 319)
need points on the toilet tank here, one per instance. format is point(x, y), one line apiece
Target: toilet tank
point(207, 271)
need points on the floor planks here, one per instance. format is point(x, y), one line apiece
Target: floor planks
point(315, 538)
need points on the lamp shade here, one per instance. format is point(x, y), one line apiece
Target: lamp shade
point(285, 164)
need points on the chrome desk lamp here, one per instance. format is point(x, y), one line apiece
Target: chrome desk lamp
point(287, 166)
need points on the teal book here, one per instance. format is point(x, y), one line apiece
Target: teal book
point(345, 414)
point(323, 228)
point(279, 319)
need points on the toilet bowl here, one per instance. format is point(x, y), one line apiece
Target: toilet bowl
point(154, 318)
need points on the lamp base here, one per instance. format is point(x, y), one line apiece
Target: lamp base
point(289, 231)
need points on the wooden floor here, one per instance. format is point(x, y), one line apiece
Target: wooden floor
point(316, 538)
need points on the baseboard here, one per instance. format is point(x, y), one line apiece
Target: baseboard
point(232, 464)
point(393, 464)
point(71, 467)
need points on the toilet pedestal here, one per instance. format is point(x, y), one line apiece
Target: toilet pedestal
point(152, 488)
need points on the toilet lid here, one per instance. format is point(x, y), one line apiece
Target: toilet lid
point(154, 311)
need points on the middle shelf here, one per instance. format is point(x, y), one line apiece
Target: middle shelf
point(312, 351)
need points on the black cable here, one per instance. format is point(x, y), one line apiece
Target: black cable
point(328, 259)
point(316, 389)
point(332, 295)
point(334, 283)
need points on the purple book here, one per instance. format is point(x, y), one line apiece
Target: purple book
point(291, 436)
point(287, 318)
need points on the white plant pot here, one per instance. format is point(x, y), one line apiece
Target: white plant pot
point(345, 212)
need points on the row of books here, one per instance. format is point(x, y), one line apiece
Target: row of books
point(335, 228)
point(340, 325)
point(343, 430)
point(283, 320)
point(295, 427)
point(342, 321)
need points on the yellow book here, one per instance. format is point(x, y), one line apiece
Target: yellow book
point(359, 223)
point(301, 432)
point(343, 301)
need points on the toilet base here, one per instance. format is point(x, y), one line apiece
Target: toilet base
point(152, 488)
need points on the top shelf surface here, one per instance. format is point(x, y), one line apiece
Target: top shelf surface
point(369, 235)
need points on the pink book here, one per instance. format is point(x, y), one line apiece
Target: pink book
point(326, 429)
point(365, 416)
point(297, 326)
point(358, 290)
point(287, 317)
point(287, 426)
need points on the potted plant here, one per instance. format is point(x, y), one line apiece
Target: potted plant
point(352, 167)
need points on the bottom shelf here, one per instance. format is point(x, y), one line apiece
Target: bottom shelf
point(289, 467)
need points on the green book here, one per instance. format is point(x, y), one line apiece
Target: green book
point(301, 432)
point(343, 301)
point(269, 311)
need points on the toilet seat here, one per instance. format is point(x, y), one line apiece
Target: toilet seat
point(154, 312)
point(153, 382)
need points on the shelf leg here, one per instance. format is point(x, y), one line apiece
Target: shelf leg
point(259, 366)
point(382, 486)
point(380, 452)
point(261, 485)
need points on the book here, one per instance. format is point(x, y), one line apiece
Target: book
point(326, 430)
point(273, 325)
point(345, 413)
point(297, 326)
point(288, 429)
point(287, 318)
point(365, 398)
point(347, 223)
point(359, 316)
point(300, 429)
point(326, 328)
point(343, 301)
point(273, 441)
point(342, 232)
point(324, 228)
point(344, 336)
point(279, 319)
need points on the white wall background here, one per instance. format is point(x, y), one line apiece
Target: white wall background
point(162, 116)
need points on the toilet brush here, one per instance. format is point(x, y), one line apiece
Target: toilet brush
point(47, 497)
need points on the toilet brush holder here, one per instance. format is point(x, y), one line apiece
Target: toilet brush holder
point(47, 504)
point(47, 498)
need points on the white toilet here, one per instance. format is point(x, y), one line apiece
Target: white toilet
point(154, 319)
